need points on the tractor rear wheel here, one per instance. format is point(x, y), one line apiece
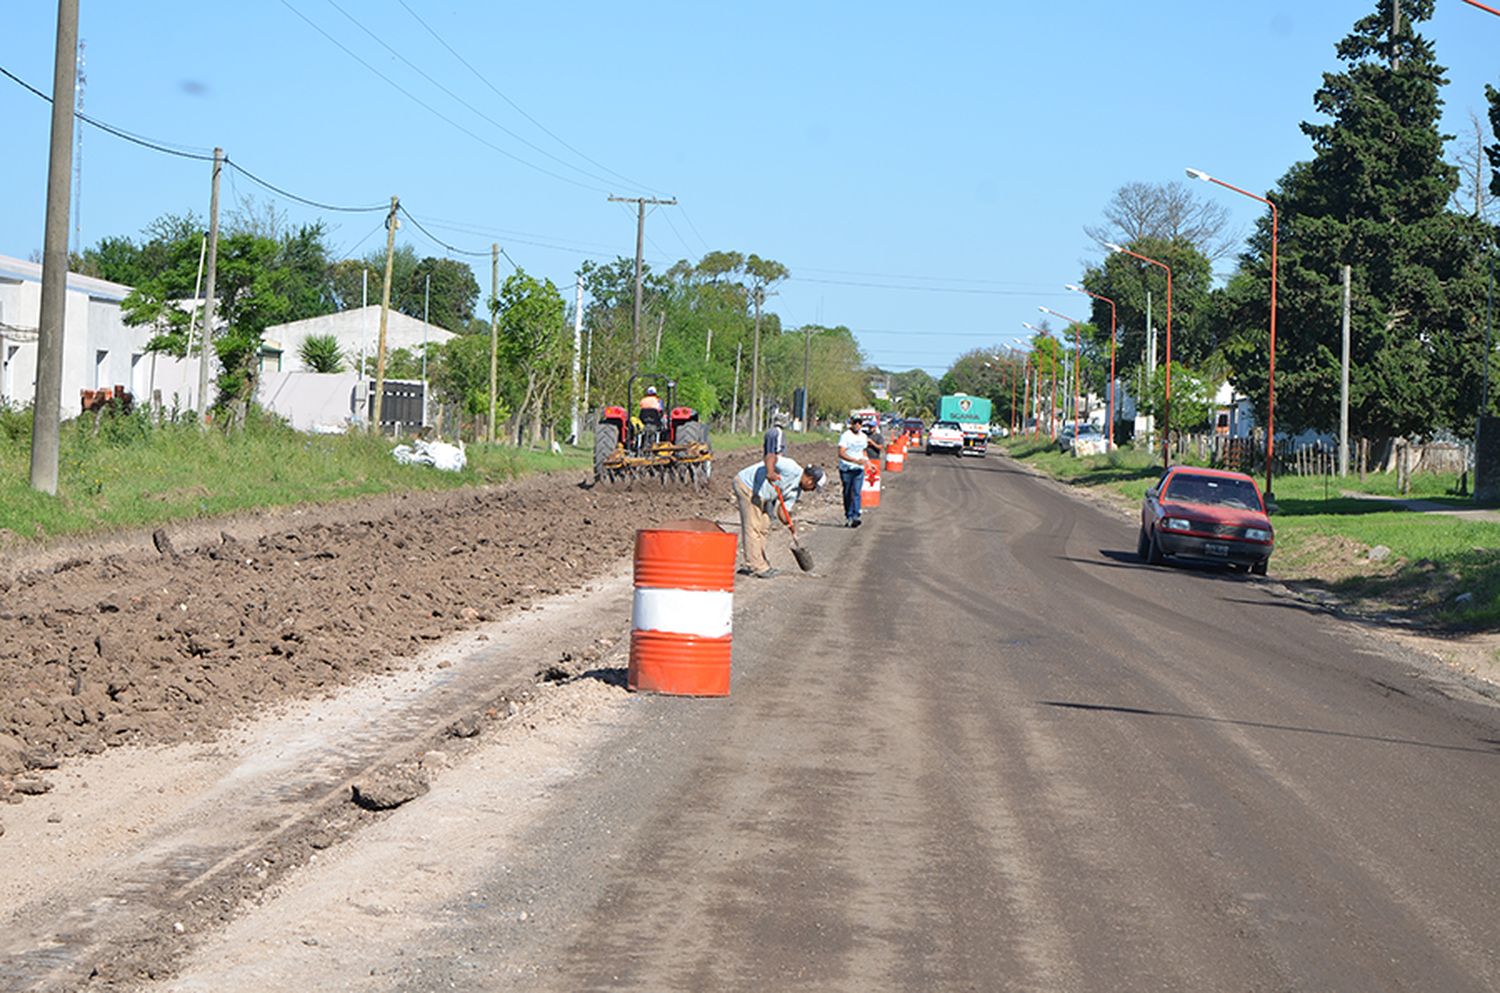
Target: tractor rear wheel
point(606, 440)
point(690, 434)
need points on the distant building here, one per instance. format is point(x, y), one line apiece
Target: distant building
point(99, 349)
point(357, 332)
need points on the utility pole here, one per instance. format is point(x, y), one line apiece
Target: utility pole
point(755, 411)
point(640, 240)
point(661, 321)
point(426, 324)
point(47, 410)
point(83, 78)
point(708, 346)
point(391, 224)
point(489, 430)
point(734, 407)
point(806, 377)
point(1344, 384)
point(209, 289)
point(1150, 374)
point(193, 314)
point(577, 354)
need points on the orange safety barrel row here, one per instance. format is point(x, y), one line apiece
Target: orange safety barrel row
point(895, 456)
point(681, 619)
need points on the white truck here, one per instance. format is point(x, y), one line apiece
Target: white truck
point(945, 436)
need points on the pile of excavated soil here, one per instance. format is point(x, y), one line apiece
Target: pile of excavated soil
point(168, 644)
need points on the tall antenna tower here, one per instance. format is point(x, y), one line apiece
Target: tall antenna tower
point(78, 154)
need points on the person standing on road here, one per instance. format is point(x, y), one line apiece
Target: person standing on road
point(757, 497)
point(774, 445)
point(853, 455)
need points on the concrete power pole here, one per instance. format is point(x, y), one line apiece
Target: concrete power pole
point(806, 376)
point(1344, 385)
point(577, 356)
point(734, 406)
point(47, 411)
point(640, 240)
point(391, 224)
point(211, 279)
point(755, 411)
point(489, 430)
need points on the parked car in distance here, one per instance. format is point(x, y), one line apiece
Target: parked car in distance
point(1089, 441)
point(915, 428)
point(946, 436)
point(1209, 515)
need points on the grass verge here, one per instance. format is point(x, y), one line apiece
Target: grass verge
point(130, 473)
point(1440, 572)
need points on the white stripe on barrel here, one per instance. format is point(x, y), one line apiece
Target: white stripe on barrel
point(701, 613)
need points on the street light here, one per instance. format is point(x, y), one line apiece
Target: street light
point(1079, 289)
point(1166, 407)
point(1077, 361)
point(1051, 408)
point(1271, 372)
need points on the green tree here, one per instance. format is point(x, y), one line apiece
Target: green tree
point(1127, 281)
point(1375, 196)
point(455, 291)
point(536, 352)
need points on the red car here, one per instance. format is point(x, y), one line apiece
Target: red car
point(1206, 514)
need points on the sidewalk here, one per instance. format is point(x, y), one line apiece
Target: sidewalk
point(1428, 506)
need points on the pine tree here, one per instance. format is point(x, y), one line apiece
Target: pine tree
point(1374, 196)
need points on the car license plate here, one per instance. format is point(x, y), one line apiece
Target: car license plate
point(1215, 548)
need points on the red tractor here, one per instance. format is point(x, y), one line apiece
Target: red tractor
point(664, 440)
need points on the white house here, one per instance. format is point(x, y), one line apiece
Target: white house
point(357, 332)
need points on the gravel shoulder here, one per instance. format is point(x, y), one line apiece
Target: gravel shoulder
point(185, 719)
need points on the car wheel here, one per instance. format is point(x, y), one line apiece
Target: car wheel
point(1259, 568)
point(1142, 545)
point(1154, 554)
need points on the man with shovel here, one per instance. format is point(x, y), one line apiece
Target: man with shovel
point(759, 497)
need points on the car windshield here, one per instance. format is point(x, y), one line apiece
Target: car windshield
point(950, 425)
point(1189, 488)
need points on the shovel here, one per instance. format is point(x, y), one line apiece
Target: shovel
point(802, 555)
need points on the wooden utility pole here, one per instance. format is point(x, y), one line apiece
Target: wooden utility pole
point(489, 431)
point(640, 240)
point(385, 310)
point(1395, 30)
point(661, 321)
point(209, 289)
point(1344, 384)
point(47, 410)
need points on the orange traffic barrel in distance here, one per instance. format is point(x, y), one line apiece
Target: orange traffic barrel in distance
point(895, 455)
point(684, 605)
point(869, 496)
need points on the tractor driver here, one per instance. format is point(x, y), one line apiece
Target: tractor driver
point(651, 402)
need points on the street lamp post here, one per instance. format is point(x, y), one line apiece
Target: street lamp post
point(1112, 321)
point(1052, 407)
point(1166, 407)
point(1271, 372)
point(1077, 362)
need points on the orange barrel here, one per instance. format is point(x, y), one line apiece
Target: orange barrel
point(870, 495)
point(684, 605)
point(895, 456)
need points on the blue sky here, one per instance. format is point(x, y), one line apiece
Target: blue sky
point(925, 171)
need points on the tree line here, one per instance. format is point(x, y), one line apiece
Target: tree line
point(702, 324)
point(1378, 195)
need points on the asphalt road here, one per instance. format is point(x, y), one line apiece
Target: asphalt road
point(988, 750)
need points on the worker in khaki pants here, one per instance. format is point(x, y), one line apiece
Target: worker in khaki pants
point(757, 498)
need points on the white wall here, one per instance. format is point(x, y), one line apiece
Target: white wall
point(311, 401)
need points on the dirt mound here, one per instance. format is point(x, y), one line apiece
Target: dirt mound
point(171, 642)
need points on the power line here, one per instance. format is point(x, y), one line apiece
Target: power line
point(433, 110)
point(932, 289)
point(438, 241)
point(299, 199)
point(425, 75)
point(935, 279)
point(694, 228)
point(515, 106)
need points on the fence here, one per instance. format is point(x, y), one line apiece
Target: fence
point(1319, 458)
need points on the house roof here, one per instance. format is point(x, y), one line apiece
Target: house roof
point(352, 324)
point(31, 272)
